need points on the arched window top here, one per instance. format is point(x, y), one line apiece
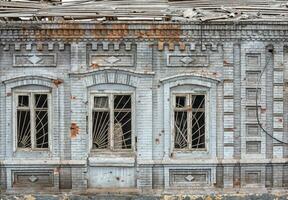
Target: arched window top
point(192, 77)
point(112, 76)
point(32, 81)
point(32, 88)
point(111, 86)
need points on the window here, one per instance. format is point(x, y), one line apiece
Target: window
point(32, 120)
point(189, 121)
point(112, 122)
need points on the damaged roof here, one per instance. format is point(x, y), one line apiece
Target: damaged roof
point(148, 10)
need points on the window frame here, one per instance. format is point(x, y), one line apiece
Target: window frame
point(189, 115)
point(32, 110)
point(110, 94)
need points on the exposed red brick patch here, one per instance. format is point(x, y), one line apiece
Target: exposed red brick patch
point(182, 46)
point(160, 46)
point(171, 45)
point(74, 130)
point(57, 82)
point(263, 110)
point(226, 63)
point(94, 65)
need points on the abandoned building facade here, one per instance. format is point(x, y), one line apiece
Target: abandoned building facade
point(144, 106)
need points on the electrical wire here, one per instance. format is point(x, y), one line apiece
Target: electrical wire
point(257, 114)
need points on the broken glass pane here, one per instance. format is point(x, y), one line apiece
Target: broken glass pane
point(41, 101)
point(41, 120)
point(23, 101)
point(180, 102)
point(41, 129)
point(122, 130)
point(198, 101)
point(100, 102)
point(100, 129)
point(198, 130)
point(122, 122)
point(122, 101)
point(180, 126)
point(23, 129)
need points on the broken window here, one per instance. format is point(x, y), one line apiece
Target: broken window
point(32, 120)
point(112, 122)
point(189, 121)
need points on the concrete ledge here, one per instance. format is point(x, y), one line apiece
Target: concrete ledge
point(42, 162)
point(111, 161)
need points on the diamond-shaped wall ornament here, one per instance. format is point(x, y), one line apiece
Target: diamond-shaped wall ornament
point(112, 60)
point(187, 60)
point(33, 179)
point(34, 59)
point(189, 178)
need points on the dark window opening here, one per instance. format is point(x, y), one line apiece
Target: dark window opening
point(112, 122)
point(189, 122)
point(32, 121)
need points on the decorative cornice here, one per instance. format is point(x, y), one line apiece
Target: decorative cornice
point(137, 32)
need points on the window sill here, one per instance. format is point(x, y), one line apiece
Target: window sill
point(112, 161)
point(108, 153)
point(190, 154)
point(190, 151)
point(32, 150)
point(32, 154)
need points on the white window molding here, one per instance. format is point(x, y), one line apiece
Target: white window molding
point(190, 84)
point(189, 121)
point(32, 120)
point(34, 83)
point(112, 112)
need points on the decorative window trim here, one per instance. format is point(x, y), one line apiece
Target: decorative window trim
point(190, 89)
point(189, 117)
point(199, 83)
point(31, 92)
point(110, 94)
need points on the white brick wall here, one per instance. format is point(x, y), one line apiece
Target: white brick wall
point(152, 81)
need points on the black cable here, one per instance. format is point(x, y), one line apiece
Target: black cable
point(257, 114)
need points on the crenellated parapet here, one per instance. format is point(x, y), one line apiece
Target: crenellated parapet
point(213, 32)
